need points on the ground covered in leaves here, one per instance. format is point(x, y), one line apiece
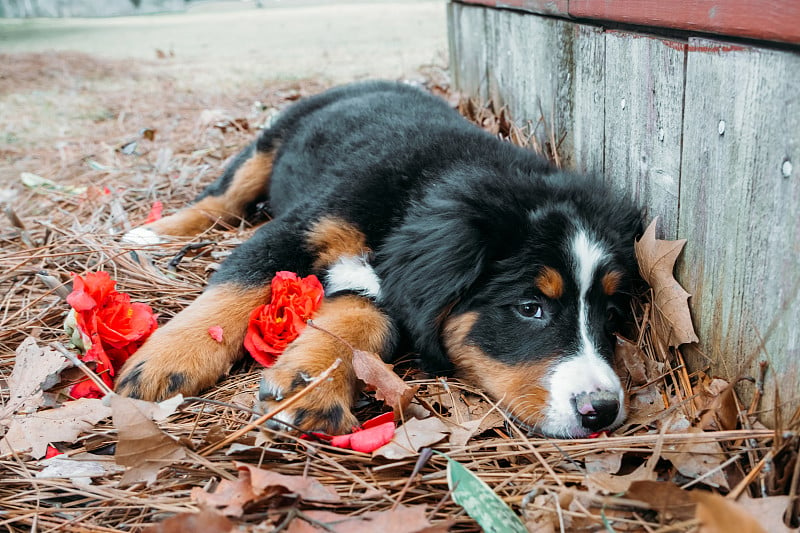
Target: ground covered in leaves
point(89, 146)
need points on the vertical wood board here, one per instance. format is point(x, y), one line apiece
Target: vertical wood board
point(466, 34)
point(541, 68)
point(644, 110)
point(740, 211)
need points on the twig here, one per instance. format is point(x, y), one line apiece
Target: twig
point(176, 260)
point(80, 364)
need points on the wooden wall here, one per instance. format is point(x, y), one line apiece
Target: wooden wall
point(704, 134)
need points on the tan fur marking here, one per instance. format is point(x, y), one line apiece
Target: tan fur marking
point(332, 238)
point(550, 282)
point(611, 282)
point(183, 345)
point(357, 321)
point(248, 183)
point(520, 389)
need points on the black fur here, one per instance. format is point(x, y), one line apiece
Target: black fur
point(458, 220)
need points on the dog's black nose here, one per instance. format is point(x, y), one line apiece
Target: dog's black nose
point(597, 410)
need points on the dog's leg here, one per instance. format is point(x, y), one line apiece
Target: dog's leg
point(226, 201)
point(339, 249)
point(181, 356)
point(327, 408)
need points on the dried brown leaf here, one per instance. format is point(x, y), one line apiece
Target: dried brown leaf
point(695, 459)
point(716, 404)
point(633, 358)
point(670, 501)
point(35, 369)
point(719, 515)
point(206, 521)
point(33, 432)
point(306, 488)
point(768, 511)
point(607, 483)
point(401, 520)
point(255, 484)
point(389, 387)
point(412, 436)
point(671, 318)
point(142, 445)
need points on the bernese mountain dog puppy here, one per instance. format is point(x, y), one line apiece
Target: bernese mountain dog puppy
point(495, 266)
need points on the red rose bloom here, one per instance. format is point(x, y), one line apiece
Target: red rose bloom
point(114, 327)
point(273, 326)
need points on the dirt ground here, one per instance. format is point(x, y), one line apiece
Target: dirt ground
point(63, 78)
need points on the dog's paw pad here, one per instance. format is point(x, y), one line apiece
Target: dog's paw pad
point(141, 237)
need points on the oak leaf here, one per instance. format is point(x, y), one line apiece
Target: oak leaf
point(671, 318)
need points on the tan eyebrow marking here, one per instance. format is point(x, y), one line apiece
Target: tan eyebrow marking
point(611, 282)
point(550, 282)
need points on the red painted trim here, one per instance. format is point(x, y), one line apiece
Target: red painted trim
point(770, 20)
point(766, 20)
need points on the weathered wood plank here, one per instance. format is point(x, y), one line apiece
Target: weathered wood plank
point(740, 211)
point(644, 109)
point(773, 20)
point(467, 35)
point(541, 68)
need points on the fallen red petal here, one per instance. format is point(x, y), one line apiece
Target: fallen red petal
point(369, 440)
point(216, 333)
point(155, 212)
point(52, 451)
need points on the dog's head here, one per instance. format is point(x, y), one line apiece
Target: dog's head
point(518, 286)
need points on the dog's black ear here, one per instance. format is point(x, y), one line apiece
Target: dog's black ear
point(427, 264)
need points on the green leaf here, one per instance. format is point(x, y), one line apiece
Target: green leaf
point(480, 501)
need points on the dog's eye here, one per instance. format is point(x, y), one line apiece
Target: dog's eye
point(530, 310)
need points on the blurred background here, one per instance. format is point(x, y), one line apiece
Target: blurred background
point(242, 41)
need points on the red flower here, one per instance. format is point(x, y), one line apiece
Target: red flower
point(111, 327)
point(273, 326)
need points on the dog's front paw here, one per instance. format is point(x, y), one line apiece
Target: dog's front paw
point(324, 409)
point(167, 365)
point(182, 356)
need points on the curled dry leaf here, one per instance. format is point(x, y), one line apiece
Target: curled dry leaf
point(256, 484)
point(671, 318)
point(389, 387)
point(633, 358)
